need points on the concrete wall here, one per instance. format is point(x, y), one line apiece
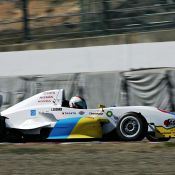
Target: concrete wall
point(88, 59)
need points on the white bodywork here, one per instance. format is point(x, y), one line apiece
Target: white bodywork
point(45, 109)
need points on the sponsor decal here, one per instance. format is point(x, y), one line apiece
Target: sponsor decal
point(96, 113)
point(169, 122)
point(49, 93)
point(81, 112)
point(56, 109)
point(109, 114)
point(33, 112)
point(44, 101)
point(69, 113)
point(46, 97)
point(116, 118)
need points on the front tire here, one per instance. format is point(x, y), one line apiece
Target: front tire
point(152, 138)
point(132, 127)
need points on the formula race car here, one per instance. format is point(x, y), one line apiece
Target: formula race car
point(46, 117)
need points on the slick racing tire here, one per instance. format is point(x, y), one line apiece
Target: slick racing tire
point(152, 138)
point(2, 128)
point(132, 127)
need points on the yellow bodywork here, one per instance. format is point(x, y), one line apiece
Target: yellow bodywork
point(165, 132)
point(88, 127)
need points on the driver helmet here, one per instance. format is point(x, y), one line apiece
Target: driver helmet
point(77, 102)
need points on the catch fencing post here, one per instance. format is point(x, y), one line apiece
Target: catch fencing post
point(26, 27)
point(106, 15)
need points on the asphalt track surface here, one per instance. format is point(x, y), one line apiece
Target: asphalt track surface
point(138, 158)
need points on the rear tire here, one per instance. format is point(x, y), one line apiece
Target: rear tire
point(132, 127)
point(2, 128)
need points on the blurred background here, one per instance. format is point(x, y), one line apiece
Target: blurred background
point(48, 24)
point(36, 20)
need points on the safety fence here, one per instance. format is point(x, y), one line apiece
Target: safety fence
point(37, 20)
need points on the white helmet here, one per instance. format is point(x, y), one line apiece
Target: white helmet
point(77, 102)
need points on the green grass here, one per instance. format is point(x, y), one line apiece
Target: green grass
point(28, 150)
point(169, 144)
